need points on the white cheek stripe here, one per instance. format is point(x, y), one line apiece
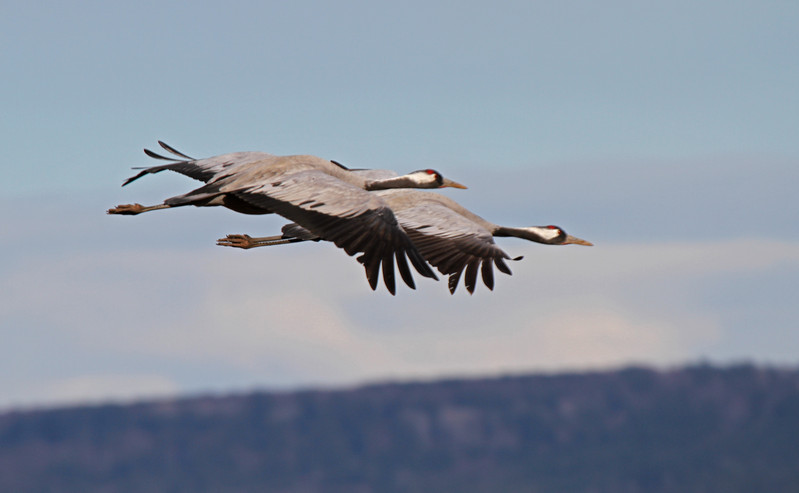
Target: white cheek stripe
point(546, 233)
point(422, 179)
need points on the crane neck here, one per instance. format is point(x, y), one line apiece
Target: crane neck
point(389, 183)
point(532, 233)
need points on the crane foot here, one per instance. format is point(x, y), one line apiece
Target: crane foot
point(127, 209)
point(237, 241)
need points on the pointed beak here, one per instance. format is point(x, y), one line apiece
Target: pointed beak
point(573, 240)
point(453, 184)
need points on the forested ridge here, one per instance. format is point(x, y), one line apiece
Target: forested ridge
point(695, 429)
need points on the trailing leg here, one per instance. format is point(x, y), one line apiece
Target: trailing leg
point(133, 209)
point(247, 241)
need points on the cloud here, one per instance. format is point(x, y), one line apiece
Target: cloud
point(115, 296)
point(304, 314)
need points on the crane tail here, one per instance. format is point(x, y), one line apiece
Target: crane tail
point(173, 163)
point(155, 155)
point(339, 164)
point(174, 151)
point(140, 174)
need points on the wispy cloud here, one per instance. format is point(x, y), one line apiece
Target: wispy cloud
point(303, 314)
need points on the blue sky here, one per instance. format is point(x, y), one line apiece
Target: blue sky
point(665, 134)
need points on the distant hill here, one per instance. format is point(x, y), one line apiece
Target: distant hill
point(698, 429)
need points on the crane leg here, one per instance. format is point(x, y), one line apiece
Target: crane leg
point(247, 241)
point(133, 209)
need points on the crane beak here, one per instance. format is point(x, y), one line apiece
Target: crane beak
point(573, 240)
point(453, 184)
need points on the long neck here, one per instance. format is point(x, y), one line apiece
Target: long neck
point(532, 233)
point(389, 183)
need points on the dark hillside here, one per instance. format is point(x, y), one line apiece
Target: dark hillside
point(699, 429)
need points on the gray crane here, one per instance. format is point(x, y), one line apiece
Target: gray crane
point(324, 197)
point(449, 236)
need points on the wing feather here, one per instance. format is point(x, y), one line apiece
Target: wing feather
point(452, 282)
point(502, 266)
point(405, 271)
point(355, 220)
point(388, 271)
point(315, 193)
point(459, 242)
point(471, 274)
point(487, 272)
point(451, 242)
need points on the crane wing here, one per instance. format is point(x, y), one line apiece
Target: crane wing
point(355, 220)
point(311, 191)
point(200, 169)
point(451, 243)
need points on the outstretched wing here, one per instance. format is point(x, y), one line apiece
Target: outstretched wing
point(355, 220)
point(199, 169)
point(452, 243)
point(448, 240)
point(308, 190)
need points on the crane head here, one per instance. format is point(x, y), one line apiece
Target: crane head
point(430, 178)
point(554, 235)
point(425, 178)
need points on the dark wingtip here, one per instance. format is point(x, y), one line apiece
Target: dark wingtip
point(372, 266)
point(502, 266)
point(420, 264)
point(388, 273)
point(471, 275)
point(405, 271)
point(487, 272)
point(372, 281)
point(454, 278)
